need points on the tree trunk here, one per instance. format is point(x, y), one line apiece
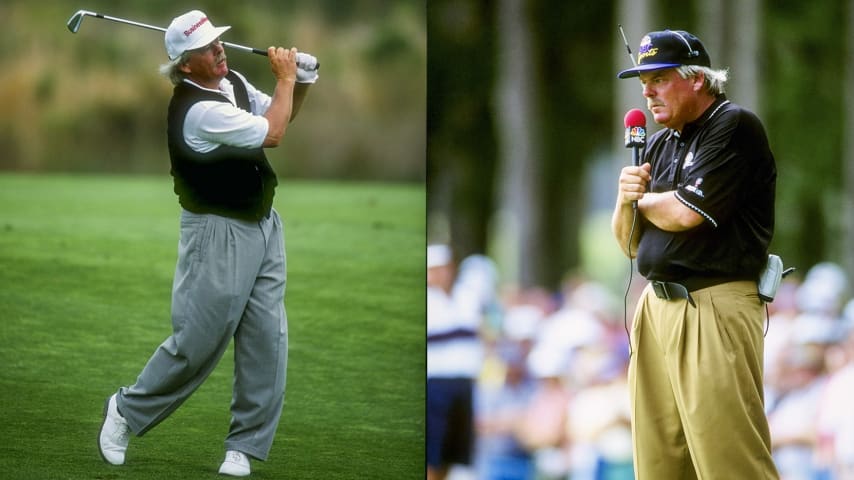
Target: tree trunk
point(461, 153)
point(730, 31)
point(520, 206)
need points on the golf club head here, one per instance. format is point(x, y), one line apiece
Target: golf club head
point(76, 19)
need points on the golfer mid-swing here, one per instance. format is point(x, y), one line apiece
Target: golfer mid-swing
point(230, 275)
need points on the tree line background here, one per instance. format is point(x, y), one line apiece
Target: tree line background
point(525, 125)
point(95, 102)
point(514, 103)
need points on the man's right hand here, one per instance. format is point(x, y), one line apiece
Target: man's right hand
point(279, 113)
point(283, 63)
point(633, 183)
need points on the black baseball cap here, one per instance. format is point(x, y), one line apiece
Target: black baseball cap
point(668, 49)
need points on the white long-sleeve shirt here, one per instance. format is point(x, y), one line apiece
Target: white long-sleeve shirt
point(455, 351)
point(209, 124)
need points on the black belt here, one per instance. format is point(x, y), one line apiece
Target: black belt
point(683, 289)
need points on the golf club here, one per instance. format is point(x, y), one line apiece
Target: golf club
point(76, 19)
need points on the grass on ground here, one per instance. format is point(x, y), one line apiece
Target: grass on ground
point(86, 266)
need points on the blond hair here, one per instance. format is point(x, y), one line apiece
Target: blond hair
point(172, 70)
point(714, 80)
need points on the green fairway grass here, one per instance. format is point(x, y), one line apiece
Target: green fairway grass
point(86, 265)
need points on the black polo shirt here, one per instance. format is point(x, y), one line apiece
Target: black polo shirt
point(721, 167)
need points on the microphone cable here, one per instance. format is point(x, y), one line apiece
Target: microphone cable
point(635, 123)
point(629, 282)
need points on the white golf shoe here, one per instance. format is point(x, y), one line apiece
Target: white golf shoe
point(115, 432)
point(236, 464)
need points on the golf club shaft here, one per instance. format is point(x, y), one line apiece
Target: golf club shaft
point(159, 29)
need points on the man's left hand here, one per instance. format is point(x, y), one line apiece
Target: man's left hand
point(306, 68)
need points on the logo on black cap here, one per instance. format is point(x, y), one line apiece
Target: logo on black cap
point(668, 49)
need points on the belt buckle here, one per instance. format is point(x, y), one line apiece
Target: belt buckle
point(661, 290)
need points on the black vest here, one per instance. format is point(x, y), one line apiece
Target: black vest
point(229, 181)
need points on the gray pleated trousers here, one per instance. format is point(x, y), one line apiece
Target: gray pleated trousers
point(229, 283)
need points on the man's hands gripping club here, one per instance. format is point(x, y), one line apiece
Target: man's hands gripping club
point(307, 66)
point(283, 63)
point(290, 68)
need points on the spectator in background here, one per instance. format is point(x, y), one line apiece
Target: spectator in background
point(598, 429)
point(808, 381)
point(836, 417)
point(792, 419)
point(551, 401)
point(542, 428)
point(454, 359)
point(823, 291)
point(475, 290)
point(600, 433)
point(499, 409)
point(782, 317)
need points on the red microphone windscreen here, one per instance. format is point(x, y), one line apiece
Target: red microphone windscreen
point(635, 118)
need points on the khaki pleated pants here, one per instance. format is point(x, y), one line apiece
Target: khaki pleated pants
point(695, 378)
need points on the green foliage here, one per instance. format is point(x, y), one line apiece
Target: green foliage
point(86, 266)
point(803, 99)
point(463, 148)
point(803, 57)
point(93, 101)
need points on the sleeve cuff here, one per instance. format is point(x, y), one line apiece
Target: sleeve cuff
point(696, 209)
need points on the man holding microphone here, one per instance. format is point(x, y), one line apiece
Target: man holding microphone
point(704, 217)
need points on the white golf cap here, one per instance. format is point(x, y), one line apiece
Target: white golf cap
point(438, 256)
point(190, 30)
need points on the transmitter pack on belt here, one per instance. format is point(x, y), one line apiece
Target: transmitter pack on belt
point(769, 279)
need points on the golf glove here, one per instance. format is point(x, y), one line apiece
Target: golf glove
point(306, 68)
